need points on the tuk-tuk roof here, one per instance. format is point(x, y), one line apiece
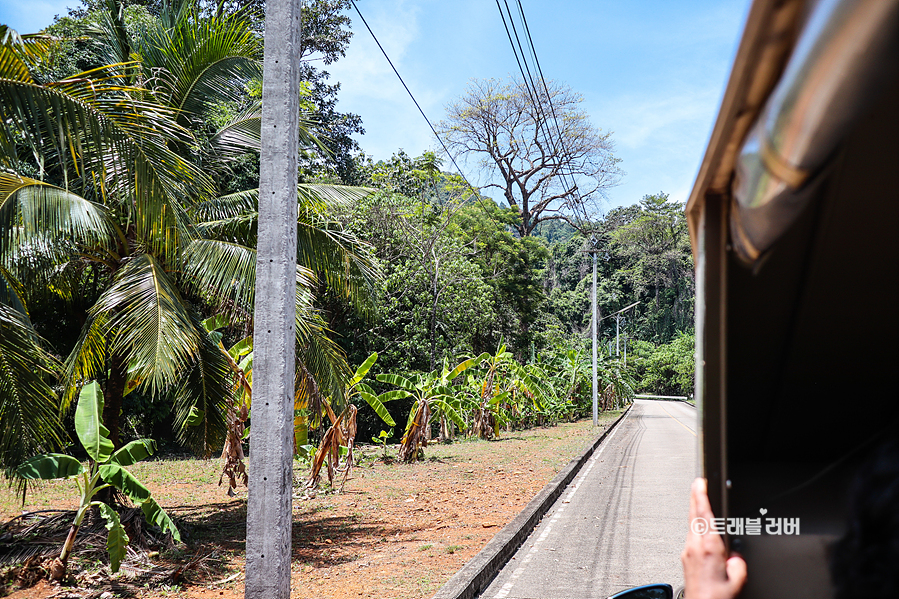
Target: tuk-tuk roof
point(768, 38)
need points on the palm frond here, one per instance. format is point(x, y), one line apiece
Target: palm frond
point(343, 261)
point(87, 360)
point(13, 55)
point(223, 275)
point(322, 369)
point(339, 258)
point(12, 292)
point(205, 60)
point(29, 409)
point(202, 401)
point(149, 322)
point(103, 138)
point(32, 211)
point(328, 198)
point(242, 134)
point(229, 218)
point(111, 35)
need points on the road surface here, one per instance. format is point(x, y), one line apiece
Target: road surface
point(622, 521)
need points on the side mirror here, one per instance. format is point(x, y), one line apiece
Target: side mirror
point(649, 591)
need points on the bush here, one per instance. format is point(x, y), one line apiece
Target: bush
point(669, 369)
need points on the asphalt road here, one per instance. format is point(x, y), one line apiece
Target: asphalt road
point(622, 521)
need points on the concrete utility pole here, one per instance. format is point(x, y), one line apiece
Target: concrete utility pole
point(617, 334)
point(618, 316)
point(593, 242)
point(269, 509)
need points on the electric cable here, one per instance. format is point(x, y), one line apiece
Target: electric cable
point(534, 94)
point(552, 107)
point(576, 191)
point(477, 195)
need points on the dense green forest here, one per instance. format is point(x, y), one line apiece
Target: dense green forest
point(129, 147)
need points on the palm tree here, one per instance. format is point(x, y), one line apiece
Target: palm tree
point(130, 205)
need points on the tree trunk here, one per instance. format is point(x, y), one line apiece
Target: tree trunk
point(434, 322)
point(113, 396)
point(69, 544)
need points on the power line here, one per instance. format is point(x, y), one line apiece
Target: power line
point(477, 195)
point(533, 93)
point(549, 99)
point(525, 71)
point(568, 179)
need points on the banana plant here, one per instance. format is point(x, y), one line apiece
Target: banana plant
point(616, 383)
point(340, 438)
point(487, 411)
point(435, 398)
point(240, 360)
point(107, 468)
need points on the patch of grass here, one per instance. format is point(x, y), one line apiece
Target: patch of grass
point(454, 548)
point(425, 547)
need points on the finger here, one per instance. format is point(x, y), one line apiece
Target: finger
point(736, 572)
point(700, 493)
point(694, 489)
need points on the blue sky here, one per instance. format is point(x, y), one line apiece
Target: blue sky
point(651, 71)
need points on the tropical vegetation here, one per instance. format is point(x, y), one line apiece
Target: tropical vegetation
point(129, 138)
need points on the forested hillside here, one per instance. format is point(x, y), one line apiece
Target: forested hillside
point(459, 280)
point(129, 204)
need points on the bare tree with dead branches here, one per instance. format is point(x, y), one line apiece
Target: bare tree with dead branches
point(537, 146)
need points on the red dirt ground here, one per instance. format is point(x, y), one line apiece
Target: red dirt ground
point(396, 530)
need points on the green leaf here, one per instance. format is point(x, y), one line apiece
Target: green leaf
point(363, 369)
point(306, 451)
point(449, 412)
point(29, 408)
point(117, 539)
point(216, 322)
point(194, 417)
point(125, 482)
point(396, 380)
point(150, 322)
point(89, 424)
point(156, 515)
point(462, 367)
point(216, 337)
point(364, 387)
point(133, 452)
point(378, 407)
point(392, 395)
point(498, 398)
point(244, 346)
point(49, 466)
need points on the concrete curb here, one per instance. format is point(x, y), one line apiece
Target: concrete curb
point(477, 574)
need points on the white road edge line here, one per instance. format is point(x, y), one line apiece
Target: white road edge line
point(507, 588)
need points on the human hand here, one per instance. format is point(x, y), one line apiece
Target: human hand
point(708, 572)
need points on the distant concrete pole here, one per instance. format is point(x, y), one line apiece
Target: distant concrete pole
point(617, 330)
point(593, 321)
point(269, 509)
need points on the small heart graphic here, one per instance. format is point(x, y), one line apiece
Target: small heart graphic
point(763, 511)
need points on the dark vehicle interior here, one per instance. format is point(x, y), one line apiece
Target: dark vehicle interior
point(795, 223)
point(811, 354)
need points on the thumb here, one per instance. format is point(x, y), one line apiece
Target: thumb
point(736, 572)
